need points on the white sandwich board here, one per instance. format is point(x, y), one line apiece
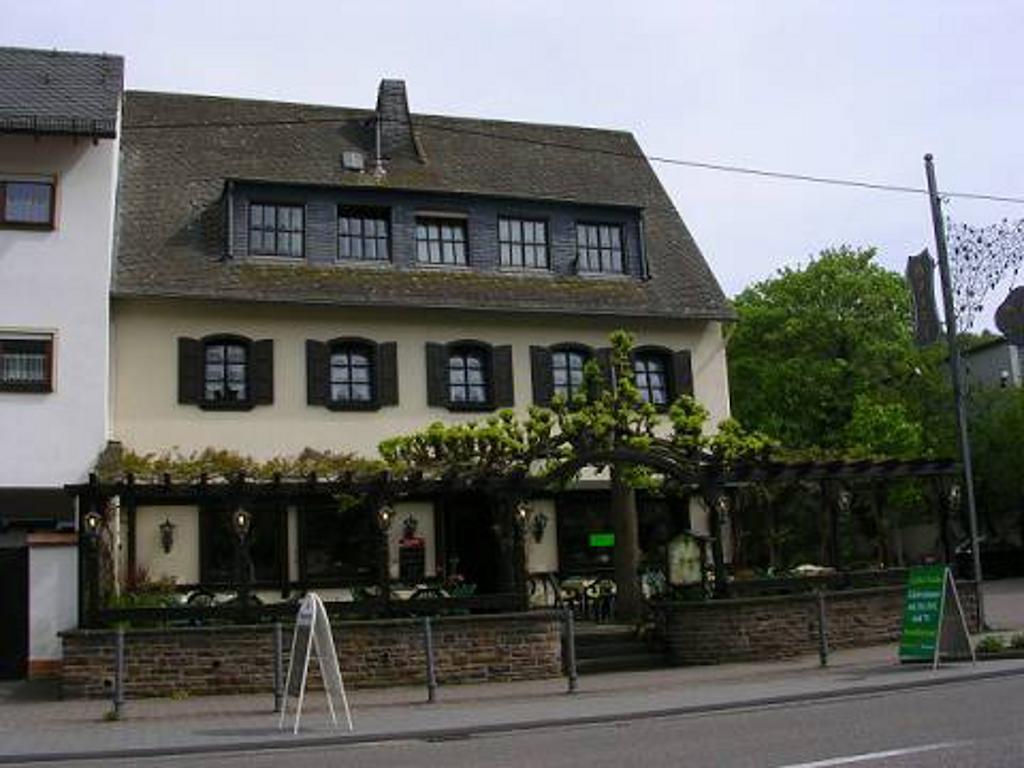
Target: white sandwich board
point(313, 630)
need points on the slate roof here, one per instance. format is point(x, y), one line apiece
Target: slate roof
point(179, 150)
point(59, 92)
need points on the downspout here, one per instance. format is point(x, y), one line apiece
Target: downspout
point(229, 246)
point(378, 160)
point(645, 272)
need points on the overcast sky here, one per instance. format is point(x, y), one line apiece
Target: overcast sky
point(859, 89)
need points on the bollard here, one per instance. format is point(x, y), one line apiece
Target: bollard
point(822, 629)
point(428, 646)
point(278, 667)
point(570, 650)
point(118, 673)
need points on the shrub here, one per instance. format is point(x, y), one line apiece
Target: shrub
point(990, 644)
point(1017, 641)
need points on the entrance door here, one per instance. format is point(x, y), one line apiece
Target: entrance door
point(14, 613)
point(470, 542)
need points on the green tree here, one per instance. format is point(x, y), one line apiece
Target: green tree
point(822, 358)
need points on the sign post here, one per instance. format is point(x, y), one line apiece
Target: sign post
point(933, 618)
point(313, 630)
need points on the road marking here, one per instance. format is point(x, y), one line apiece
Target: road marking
point(867, 757)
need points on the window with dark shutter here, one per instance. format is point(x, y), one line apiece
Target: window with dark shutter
point(316, 372)
point(190, 371)
point(437, 375)
point(567, 364)
point(262, 372)
point(503, 378)
point(469, 376)
point(682, 373)
point(387, 373)
point(351, 374)
point(225, 372)
point(653, 374)
point(540, 375)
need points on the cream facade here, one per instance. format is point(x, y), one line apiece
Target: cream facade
point(148, 417)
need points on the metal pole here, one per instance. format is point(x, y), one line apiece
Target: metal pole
point(822, 629)
point(956, 370)
point(278, 667)
point(118, 672)
point(428, 646)
point(570, 650)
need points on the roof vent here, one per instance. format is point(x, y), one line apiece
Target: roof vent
point(353, 161)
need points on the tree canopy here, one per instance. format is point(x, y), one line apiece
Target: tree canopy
point(822, 359)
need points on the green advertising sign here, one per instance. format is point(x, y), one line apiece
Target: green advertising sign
point(602, 539)
point(922, 613)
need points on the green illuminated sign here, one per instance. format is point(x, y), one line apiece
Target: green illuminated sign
point(922, 613)
point(602, 539)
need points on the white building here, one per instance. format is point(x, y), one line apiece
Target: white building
point(59, 125)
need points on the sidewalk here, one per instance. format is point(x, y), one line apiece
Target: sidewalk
point(45, 729)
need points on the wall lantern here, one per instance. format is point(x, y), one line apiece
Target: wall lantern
point(845, 500)
point(954, 496)
point(385, 515)
point(722, 504)
point(523, 513)
point(538, 526)
point(167, 535)
point(242, 522)
point(93, 524)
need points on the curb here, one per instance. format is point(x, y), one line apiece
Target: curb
point(451, 734)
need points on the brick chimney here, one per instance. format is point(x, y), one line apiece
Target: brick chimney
point(395, 138)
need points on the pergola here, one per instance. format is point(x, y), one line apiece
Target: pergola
point(717, 483)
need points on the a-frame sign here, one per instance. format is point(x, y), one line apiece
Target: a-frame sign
point(934, 625)
point(313, 630)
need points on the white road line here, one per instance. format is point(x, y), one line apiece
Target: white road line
point(869, 756)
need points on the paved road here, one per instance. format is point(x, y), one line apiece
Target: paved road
point(1004, 604)
point(961, 724)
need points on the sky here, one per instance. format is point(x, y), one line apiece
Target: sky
point(857, 89)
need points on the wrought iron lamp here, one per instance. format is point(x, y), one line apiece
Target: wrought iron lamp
point(845, 500)
point(93, 524)
point(954, 496)
point(167, 535)
point(242, 522)
point(385, 515)
point(538, 525)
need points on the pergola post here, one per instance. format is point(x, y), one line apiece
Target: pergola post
point(719, 504)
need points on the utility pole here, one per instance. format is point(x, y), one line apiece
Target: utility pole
point(956, 369)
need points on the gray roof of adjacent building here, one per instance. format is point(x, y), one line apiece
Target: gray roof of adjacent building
point(60, 92)
point(179, 151)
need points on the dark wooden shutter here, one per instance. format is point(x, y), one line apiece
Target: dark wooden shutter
point(503, 385)
point(317, 371)
point(190, 371)
point(261, 372)
point(437, 375)
point(682, 373)
point(541, 376)
point(387, 373)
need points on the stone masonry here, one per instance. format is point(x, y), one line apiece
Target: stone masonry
point(239, 659)
point(767, 628)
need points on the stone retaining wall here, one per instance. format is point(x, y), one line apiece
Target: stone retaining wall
point(230, 659)
point(767, 628)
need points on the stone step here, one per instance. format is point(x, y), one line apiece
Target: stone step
point(621, 647)
point(625, 663)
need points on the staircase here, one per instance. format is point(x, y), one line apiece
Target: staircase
point(614, 648)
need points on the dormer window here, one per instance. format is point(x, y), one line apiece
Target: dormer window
point(362, 235)
point(441, 241)
point(599, 248)
point(523, 243)
point(276, 230)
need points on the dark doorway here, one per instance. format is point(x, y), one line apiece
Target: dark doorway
point(14, 609)
point(470, 542)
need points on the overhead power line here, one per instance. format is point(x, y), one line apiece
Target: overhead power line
point(426, 121)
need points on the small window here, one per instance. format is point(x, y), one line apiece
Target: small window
point(468, 377)
point(340, 546)
point(567, 372)
point(362, 236)
point(26, 364)
point(523, 243)
point(441, 241)
point(27, 204)
point(352, 374)
point(218, 545)
point(276, 230)
point(226, 372)
point(599, 248)
point(651, 377)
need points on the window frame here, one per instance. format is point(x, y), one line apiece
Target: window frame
point(486, 353)
point(41, 226)
point(370, 347)
point(364, 214)
point(570, 348)
point(433, 219)
point(316, 506)
point(226, 339)
point(276, 254)
point(598, 225)
point(208, 524)
point(665, 356)
point(38, 388)
point(546, 246)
